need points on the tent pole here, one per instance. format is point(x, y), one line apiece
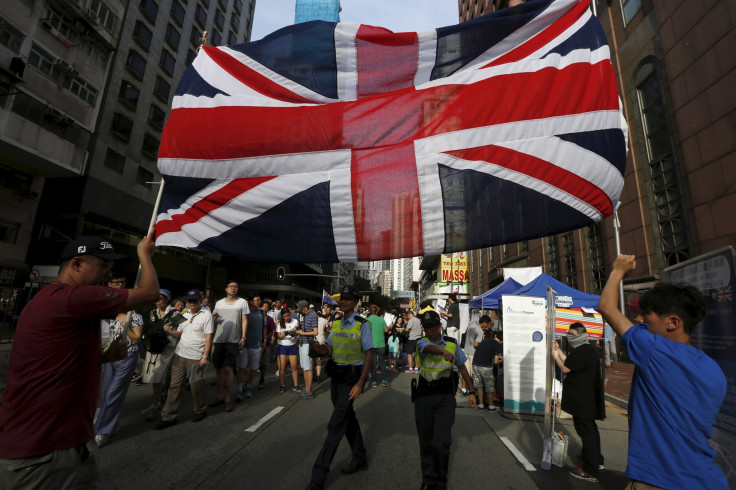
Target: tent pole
point(616, 230)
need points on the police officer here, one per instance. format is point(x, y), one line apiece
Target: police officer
point(351, 345)
point(434, 398)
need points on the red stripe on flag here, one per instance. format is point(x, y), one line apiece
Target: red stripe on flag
point(541, 170)
point(386, 60)
point(543, 38)
point(400, 116)
point(252, 78)
point(208, 204)
point(384, 181)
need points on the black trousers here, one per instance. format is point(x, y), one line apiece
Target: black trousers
point(434, 415)
point(591, 439)
point(342, 423)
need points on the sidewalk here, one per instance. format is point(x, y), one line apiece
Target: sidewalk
point(618, 383)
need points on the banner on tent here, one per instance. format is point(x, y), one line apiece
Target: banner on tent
point(593, 322)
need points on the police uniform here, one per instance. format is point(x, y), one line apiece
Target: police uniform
point(434, 405)
point(350, 338)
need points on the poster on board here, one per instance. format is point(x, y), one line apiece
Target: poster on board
point(524, 354)
point(715, 276)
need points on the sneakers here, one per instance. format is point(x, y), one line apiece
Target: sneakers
point(135, 378)
point(374, 384)
point(318, 378)
point(239, 396)
point(248, 393)
point(493, 408)
point(165, 424)
point(384, 383)
point(583, 475)
point(261, 384)
point(282, 390)
point(199, 416)
point(296, 389)
point(101, 439)
point(354, 467)
point(579, 457)
point(151, 412)
point(305, 395)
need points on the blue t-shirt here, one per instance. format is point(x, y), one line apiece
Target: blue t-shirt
point(366, 334)
point(393, 344)
point(676, 393)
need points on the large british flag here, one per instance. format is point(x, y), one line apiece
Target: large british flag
point(330, 142)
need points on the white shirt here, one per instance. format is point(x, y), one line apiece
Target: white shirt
point(292, 325)
point(230, 325)
point(191, 345)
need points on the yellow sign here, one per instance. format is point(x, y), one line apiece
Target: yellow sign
point(454, 275)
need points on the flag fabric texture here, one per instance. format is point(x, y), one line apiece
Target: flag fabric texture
point(339, 142)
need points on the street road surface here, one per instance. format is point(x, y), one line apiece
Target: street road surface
point(271, 440)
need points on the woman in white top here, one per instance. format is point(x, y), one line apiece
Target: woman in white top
point(288, 351)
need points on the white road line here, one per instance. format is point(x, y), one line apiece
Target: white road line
point(524, 462)
point(265, 419)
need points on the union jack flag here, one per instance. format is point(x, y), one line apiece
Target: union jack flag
point(327, 142)
point(724, 293)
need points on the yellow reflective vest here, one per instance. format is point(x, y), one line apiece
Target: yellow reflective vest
point(346, 347)
point(434, 366)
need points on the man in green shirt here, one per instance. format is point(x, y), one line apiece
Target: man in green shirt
point(378, 327)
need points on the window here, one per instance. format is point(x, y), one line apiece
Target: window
point(52, 19)
point(172, 36)
point(9, 231)
point(553, 260)
point(129, 94)
point(524, 246)
point(629, 8)
point(10, 37)
point(144, 177)
point(45, 62)
point(666, 187)
point(234, 21)
point(150, 8)
point(200, 15)
point(190, 56)
point(121, 126)
point(114, 161)
point(162, 89)
point(167, 62)
point(222, 4)
point(219, 19)
point(82, 89)
point(238, 6)
point(156, 117)
point(142, 34)
point(150, 147)
point(195, 35)
point(136, 63)
point(571, 270)
point(597, 256)
point(232, 39)
point(177, 12)
point(504, 252)
point(216, 38)
point(103, 13)
point(94, 52)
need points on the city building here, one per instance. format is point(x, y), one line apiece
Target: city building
point(307, 10)
point(401, 274)
point(676, 69)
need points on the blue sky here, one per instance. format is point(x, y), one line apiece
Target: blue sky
point(397, 15)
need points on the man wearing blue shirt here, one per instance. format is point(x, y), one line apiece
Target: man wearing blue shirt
point(434, 399)
point(676, 391)
point(351, 345)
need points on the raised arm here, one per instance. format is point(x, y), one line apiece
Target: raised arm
point(608, 304)
point(147, 290)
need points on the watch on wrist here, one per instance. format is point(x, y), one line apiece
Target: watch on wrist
point(207, 357)
point(472, 393)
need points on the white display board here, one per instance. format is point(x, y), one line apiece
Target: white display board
point(524, 354)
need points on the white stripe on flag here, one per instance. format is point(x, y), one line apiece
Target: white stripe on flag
point(347, 60)
point(427, 56)
point(430, 196)
point(343, 219)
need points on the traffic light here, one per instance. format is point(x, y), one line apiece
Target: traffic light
point(280, 273)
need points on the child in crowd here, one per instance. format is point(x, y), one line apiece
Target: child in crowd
point(393, 350)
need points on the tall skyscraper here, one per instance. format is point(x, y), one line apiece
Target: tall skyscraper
point(307, 10)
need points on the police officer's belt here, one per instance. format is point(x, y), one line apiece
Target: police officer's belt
point(443, 386)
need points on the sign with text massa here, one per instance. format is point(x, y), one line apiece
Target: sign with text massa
point(453, 275)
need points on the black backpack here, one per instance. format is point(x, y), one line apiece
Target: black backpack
point(158, 340)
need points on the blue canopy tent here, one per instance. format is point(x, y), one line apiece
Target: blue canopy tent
point(493, 295)
point(566, 297)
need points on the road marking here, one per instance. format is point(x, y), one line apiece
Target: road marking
point(617, 410)
point(524, 462)
point(265, 419)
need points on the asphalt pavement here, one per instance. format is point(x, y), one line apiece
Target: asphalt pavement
point(271, 440)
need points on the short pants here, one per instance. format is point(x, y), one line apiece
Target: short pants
point(249, 358)
point(225, 355)
point(288, 350)
point(306, 362)
point(483, 378)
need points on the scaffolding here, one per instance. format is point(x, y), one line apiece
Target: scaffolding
point(306, 10)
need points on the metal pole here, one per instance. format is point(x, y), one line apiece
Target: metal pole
point(616, 231)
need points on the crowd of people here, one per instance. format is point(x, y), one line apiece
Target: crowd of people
point(95, 340)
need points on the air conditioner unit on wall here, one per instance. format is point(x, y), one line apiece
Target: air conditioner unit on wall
point(64, 65)
point(92, 15)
